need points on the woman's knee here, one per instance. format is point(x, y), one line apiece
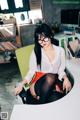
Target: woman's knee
point(51, 78)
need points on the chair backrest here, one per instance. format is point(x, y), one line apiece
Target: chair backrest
point(23, 55)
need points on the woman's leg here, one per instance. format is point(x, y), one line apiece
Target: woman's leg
point(44, 88)
point(55, 95)
point(22, 94)
point(27, 98)
point(45, 85)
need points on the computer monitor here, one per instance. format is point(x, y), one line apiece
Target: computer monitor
point(70, 16)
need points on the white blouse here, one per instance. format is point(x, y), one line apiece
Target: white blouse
point(56, 67)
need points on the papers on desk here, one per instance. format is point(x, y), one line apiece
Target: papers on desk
point(68, 32)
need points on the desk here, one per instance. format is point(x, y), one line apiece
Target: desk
point(67, 108)
point(61, 37)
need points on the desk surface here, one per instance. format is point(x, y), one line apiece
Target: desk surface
point(67, 108)
point(63, 36)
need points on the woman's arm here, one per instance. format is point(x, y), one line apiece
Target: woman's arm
point(61, 70)
point(66, 84)
point(19, 88)
point(28, 77)
point(62, 74)
point(32, 71)
point(32, 67)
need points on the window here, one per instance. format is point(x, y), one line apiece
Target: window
point(18, 3)
point(35, 15)
point(4, 4)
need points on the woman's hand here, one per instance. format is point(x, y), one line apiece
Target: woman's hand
point(18, 89)
point(66, 84)
point(33, 93)
point(20, 86)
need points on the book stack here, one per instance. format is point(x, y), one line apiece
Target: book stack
point(7, 46)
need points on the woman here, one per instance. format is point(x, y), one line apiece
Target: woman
point(48, 60)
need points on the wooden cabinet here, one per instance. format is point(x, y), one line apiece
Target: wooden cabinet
point(26, 33)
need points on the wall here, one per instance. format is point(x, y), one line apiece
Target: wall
point(51, 11)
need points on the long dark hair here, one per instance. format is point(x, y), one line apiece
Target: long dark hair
point(41, 29)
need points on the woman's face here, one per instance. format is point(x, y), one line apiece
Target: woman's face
point(44, 41)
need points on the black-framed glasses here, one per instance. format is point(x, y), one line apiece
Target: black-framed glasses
point(43, 39)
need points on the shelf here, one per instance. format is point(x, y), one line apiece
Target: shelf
point(7, 46)
point(7, 51)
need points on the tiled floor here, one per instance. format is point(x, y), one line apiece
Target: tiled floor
point(9, 76)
